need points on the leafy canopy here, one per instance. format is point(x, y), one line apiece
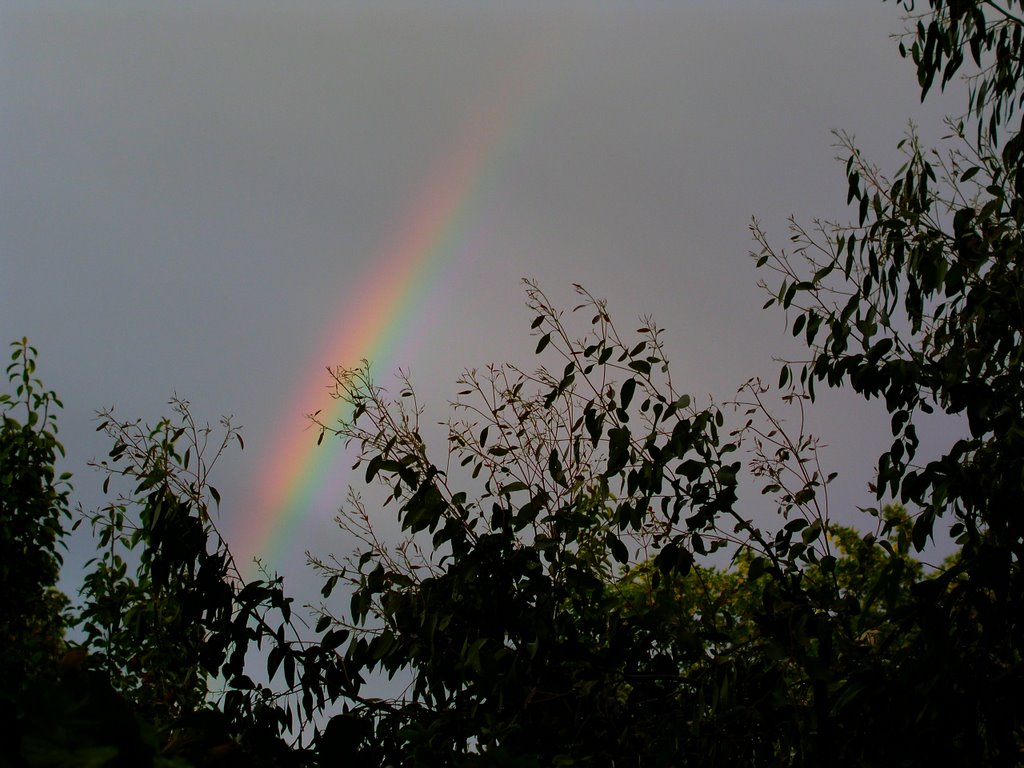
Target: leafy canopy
point(580, 578)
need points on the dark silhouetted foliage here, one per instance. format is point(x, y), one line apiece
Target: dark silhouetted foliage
point(577, 581)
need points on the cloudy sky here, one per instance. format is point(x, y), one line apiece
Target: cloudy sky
point(218, 199)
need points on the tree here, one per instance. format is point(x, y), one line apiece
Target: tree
point(45, 712)
point(548, 605)
point(505, 604)
point(182, 622)
point(33, 508)
point(922, 303)
point(163, 614)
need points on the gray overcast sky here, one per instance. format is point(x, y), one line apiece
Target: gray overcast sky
point(192, 193)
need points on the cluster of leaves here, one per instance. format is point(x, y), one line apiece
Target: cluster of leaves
point(502, 604)
point(921, 302)
point(538, 624)
point(163, 614)
point(33, 511)
point(181, 616)
point(555, 612)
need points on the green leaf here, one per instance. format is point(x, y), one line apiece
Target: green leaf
point(334, 639)
point(618, 549)
point(555, 468)
point(626, 393)
point(640, 366)
point(594, 423)
point(811, 532)
point(373, 467)
point(242, 683)
point(618, 450)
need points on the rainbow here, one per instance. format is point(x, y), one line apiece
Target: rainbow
point(294, 473)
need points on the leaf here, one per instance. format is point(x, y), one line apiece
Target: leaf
point(626, 393)
point(594, 423)
point(373, 467)
point(811, 532)
point(798, 325)
point(334, 638)
point(618, 450)
point(242, 683)
point(640, 366)
point(555, 468)
point(618, 549)
point(757, 568)
point(274, 658)
point(854, 190)
point(289, 670)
